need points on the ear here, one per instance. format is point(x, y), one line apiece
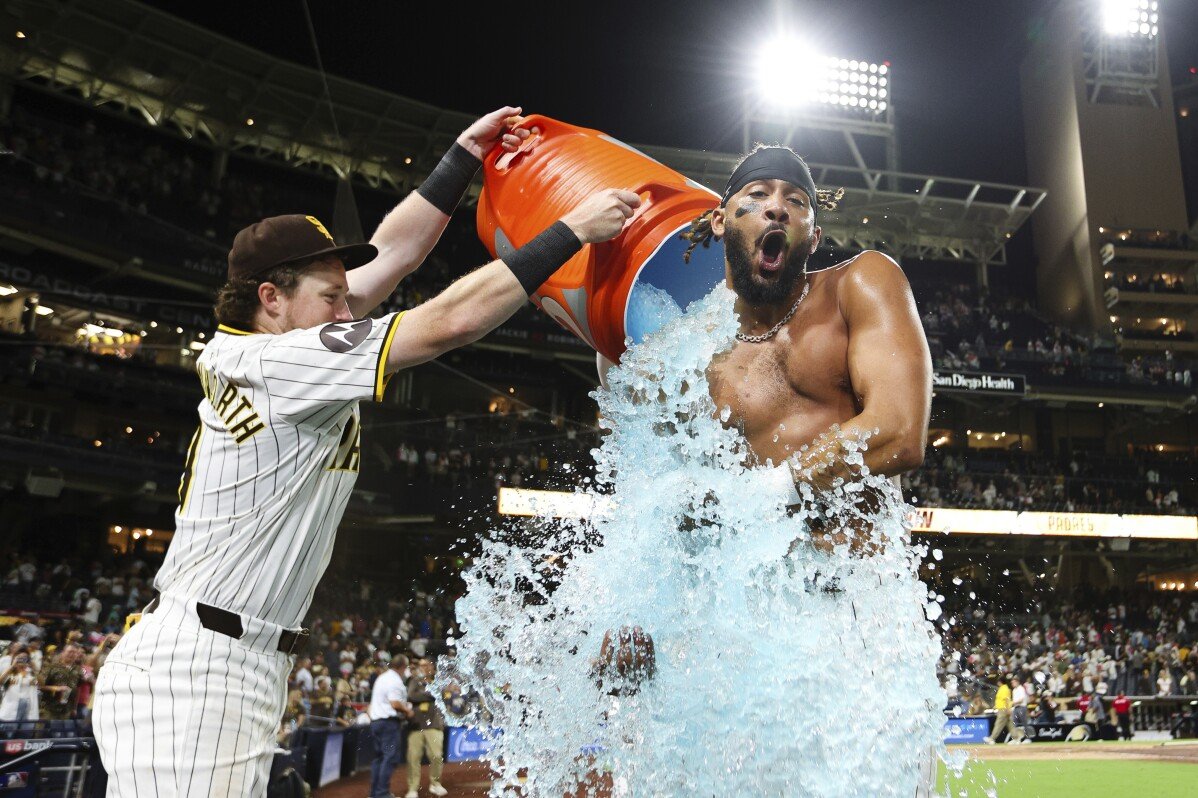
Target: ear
point(717, 221)
point(270, 297)
point(817, 234)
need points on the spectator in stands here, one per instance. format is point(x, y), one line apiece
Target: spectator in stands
point(321, 701)
point(389, 708)
point(30, 630)
point(303, 676)
point(426, 731)
point(60, 680)
point(28, 573)
point(346, 713)
point(343, 687)
point(19, 683)
point(1164, 683)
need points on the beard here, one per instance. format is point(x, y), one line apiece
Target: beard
point(739, 251)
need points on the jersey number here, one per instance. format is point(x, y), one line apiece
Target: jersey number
point(349, 451)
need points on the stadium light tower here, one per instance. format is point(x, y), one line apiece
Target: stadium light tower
point(789, 75)
point(800, 94)
point(1121, 51)
point(1130, 18)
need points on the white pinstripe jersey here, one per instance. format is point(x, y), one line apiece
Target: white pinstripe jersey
point(272, 464)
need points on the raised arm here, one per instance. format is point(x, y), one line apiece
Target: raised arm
point(474, 305)
point(410, 231)
point(891, 373)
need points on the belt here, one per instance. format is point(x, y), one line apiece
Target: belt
point(229, 624)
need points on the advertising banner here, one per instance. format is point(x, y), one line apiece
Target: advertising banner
point(467, 744)
point(970, 729)
point(330, 766)
point(977, 382)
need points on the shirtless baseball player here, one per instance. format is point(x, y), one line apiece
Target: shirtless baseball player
point(188, 702)
point(843, 345)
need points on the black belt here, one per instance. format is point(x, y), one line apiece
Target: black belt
point(229, 624)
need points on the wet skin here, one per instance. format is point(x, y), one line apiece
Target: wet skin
point(853, 354)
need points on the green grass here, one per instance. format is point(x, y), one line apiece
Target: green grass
point(1069, 777)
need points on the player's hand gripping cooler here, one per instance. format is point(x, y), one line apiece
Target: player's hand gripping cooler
point(622, 289)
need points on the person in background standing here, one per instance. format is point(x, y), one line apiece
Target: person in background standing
point(60, 679)
point(1122, 707)
point(1018, 712)
point(389, 708)
point(426, 733)
point(1002, 712)
point(1095, 714)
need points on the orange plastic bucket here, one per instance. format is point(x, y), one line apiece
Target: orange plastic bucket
point(620, 290)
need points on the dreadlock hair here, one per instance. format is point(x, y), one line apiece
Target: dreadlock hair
point(700, 230)
point(698, 233)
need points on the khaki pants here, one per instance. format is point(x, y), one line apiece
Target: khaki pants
point(430, 742)
point(1002, 720)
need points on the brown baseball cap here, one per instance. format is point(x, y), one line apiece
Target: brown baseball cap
point(287, 239)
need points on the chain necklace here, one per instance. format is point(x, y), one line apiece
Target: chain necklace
point(757, 339)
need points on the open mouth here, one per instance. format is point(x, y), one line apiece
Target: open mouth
point(773, 248)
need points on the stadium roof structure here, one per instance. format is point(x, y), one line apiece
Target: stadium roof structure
point(206, 87)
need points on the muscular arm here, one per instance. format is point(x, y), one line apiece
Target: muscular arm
point(479, 302)
point(469, 309)
point(411, 230)
point(404, 238)
point(891, 373)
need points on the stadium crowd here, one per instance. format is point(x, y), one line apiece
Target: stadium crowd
point(970, 330)
point(163, 180)
point(997, 479)
point(1086, 651)
point(1157, 283)
point(65, 615)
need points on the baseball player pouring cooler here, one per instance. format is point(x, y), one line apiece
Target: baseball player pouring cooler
point(188, 702)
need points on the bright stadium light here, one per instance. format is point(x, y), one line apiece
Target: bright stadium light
point(790, 74)
point(1133, 18)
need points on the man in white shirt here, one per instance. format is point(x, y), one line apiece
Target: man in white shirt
point(389, 708)
point(91, 611)
point(303, 676)
point(1018, 712)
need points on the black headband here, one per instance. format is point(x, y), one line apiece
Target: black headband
point(772, 163)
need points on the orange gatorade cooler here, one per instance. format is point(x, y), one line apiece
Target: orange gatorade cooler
point(621, 289)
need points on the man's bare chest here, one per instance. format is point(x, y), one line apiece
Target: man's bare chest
point(786, 391)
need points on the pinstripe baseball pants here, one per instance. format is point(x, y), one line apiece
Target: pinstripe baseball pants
point(182, 711)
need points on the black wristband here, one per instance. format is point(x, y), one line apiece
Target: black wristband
point(537, 260)
point(447, 183)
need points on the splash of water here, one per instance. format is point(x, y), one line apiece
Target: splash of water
point(782, 669)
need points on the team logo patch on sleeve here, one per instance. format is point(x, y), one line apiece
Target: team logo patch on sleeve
point(344, 336)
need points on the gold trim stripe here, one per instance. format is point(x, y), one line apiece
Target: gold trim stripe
point(380, 373)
